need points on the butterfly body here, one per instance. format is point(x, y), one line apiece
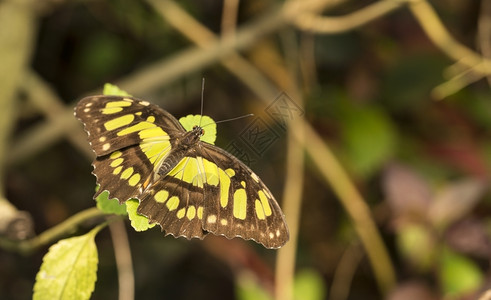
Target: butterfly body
point(182, 147)
point(183, 182)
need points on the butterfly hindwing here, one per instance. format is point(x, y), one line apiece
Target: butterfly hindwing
point(176, 206)
point(242, 205)
point(118, 173)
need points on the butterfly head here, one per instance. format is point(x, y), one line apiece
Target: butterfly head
point(198, 131)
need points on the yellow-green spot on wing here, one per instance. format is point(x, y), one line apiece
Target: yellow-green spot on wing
point(155, 151)
point(161, 196)
point(117, 170)
point(115, 154)
point(111, 110)
point(240, 204)
point(199, 212)
point(259, 210)
point(172, 203)
point(230, 172)
point(190, 170)
point(133, 181)
point(181, 213)
point(116, 162)
point(155, 144)
point(191, 212)
point(127, 173)
point(153, 133)
point(207, 123)
point(119, 122)
point(265, 203)
point(69, 269)
point(138, 222)
point(122, 103)
point(211, 172)
point(224, 187)
point(137, 127)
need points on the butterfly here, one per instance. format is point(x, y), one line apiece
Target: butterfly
point(182, 181)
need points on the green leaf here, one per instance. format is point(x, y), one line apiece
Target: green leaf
point(309, 285)
point(69, 269)
point(209, 126)
point(110, 206)
point(369, 139)
point(138, 222)
point(113, 90)
point(458, 274)
point(417, 244)
point(249, 289)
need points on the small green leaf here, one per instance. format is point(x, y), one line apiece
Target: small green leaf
point(417, 244)
point(309, 285)
point(458, 274)
point(110, 206)
point(69, 269)
point(369, 139)
point(209, 126)
point(249, 289)
point(138, 222)
point(113, 90)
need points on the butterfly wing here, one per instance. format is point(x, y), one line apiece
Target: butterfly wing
point(176, 205)
point(212, 191)
point(115, 122)
point(130, 138)
point(241, 205)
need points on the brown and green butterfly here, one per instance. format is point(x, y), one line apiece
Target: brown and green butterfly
point(182, 181)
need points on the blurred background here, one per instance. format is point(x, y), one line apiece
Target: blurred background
point(376, 118)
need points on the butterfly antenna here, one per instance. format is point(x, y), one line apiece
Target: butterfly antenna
point(232, 119)
point(202, 96)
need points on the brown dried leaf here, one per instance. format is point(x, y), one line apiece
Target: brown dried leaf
point(470, 237)
point(412, 290)
point(454, 201)
point(407, 193)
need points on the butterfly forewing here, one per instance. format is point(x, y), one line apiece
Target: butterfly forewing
point(208, 190)
point(114, 122)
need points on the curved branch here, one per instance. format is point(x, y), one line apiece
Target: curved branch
point(469, 60)
point(64, 228)
point(313, 22)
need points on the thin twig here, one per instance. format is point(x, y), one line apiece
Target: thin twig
point(66, 227)
point(121, 245)
point(50, 105)
point(345, 271)
point(17, 35)
point(436, 31)
point(353, 202)
point(229, 17)
point(484, 31)
point(313, 22)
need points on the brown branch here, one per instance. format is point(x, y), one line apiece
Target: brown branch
point(64, 228)
point(17, 35)
point(313, 22)
point(122, 253)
